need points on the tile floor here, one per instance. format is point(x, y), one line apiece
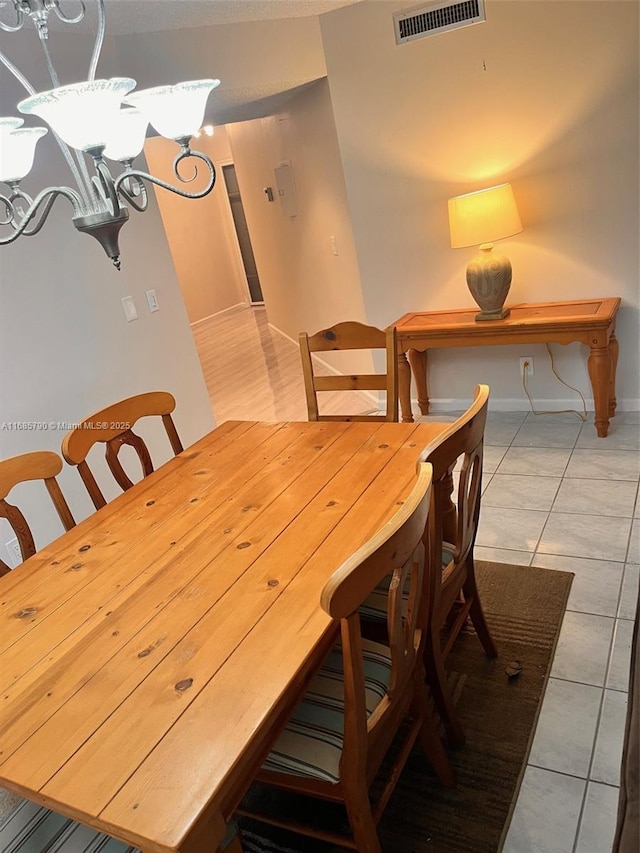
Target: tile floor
point(557, 496)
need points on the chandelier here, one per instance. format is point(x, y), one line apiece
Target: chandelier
point(92, 121)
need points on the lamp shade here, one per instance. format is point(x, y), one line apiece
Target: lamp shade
point(82, 113)
point(17, 148)
point(176, 112)
point(483, 216)
point(126, 135)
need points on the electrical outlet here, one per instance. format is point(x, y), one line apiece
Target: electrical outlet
point(14, 552)
point(526, 364)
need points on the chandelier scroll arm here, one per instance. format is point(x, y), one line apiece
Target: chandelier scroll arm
point(134, 191)
point(73, 20)
point(48, 196)
point(13, 28)
point(185, 153)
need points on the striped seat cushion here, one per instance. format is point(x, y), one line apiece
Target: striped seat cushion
point(31, 828)
point(311, 743)
point(375, 606)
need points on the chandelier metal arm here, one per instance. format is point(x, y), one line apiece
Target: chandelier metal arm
point(65, 18)
point(105, 184)
point(15, 71)
point(13, 28)
point(97, 48)
point(185, 153)
point(134, 192)
point(48, 196)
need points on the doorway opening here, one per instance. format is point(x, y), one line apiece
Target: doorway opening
point(242, 232)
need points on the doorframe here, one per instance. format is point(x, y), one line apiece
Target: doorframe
point(236, 243)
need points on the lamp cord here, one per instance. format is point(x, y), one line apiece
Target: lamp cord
point(582, 415)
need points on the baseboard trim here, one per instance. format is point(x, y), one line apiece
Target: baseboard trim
point(218, 313)
point(517, 404)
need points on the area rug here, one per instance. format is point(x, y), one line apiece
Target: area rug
point(524, 607)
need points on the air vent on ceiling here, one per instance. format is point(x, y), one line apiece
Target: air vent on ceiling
point(437, 17)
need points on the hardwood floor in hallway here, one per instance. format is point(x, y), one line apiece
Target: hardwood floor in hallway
point(254, 373)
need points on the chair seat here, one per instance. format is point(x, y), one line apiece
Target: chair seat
point(311, 743)
point(31, 828)
point(374, 607)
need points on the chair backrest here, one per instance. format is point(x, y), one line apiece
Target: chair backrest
point(113, 427)
point(397, 549)
point(350, 336)
point(465, 437)
point(38, 465)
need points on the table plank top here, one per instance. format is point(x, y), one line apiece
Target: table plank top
point(148, 655)
point(585, 313)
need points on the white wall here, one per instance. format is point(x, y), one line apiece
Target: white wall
point(545, 95)
point(306, 286)
point(200, 232)
point(65, 347)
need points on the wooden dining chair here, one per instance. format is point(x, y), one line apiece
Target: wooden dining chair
point(336, 739)
point(32, 828)
point(454, 593)
point(350, 336)
point(37, 465)
point(113, 427)
point(452, 590)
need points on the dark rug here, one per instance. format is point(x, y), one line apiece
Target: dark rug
point(524, 608)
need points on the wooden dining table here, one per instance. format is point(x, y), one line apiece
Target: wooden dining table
point(150, 656)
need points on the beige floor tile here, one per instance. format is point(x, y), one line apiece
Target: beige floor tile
point(593, 536)
point(582, 653)
point(619, 666)
point(566, 728)
point(521, 492)
point(596, 497)
point(608, 748)
point(515, 529)
point(596, 583)
point(539, 461)
point(546, 816)
point(598, 823)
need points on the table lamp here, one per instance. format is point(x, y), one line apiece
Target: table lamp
point(477, 218)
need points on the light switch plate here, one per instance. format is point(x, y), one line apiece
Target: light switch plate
point(129, 308)
point(152, 300)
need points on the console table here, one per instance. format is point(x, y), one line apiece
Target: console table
point(589, 321)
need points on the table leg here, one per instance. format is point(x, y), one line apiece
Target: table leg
point(418, 362)
point(600, 371)
point(404, 388)
point(613, 352)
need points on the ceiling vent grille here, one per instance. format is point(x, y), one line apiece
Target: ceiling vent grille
point(434, 18)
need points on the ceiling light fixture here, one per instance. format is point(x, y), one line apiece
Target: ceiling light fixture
point(92, 120)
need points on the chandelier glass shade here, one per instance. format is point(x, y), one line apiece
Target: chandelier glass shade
point(91, 120)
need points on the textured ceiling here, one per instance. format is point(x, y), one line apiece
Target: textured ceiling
point(140, 16)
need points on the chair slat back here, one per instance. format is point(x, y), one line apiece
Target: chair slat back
point(398, 548)
point(39, 465)
point(350, 336)
point(113, 426)
point(465, 437)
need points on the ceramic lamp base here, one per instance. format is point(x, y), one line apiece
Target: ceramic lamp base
point(492, 315)
point(489, 280)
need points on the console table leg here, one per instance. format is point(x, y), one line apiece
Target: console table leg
point(418, 362)
point(613, 352)
point(404, 388)
point(600, 371)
